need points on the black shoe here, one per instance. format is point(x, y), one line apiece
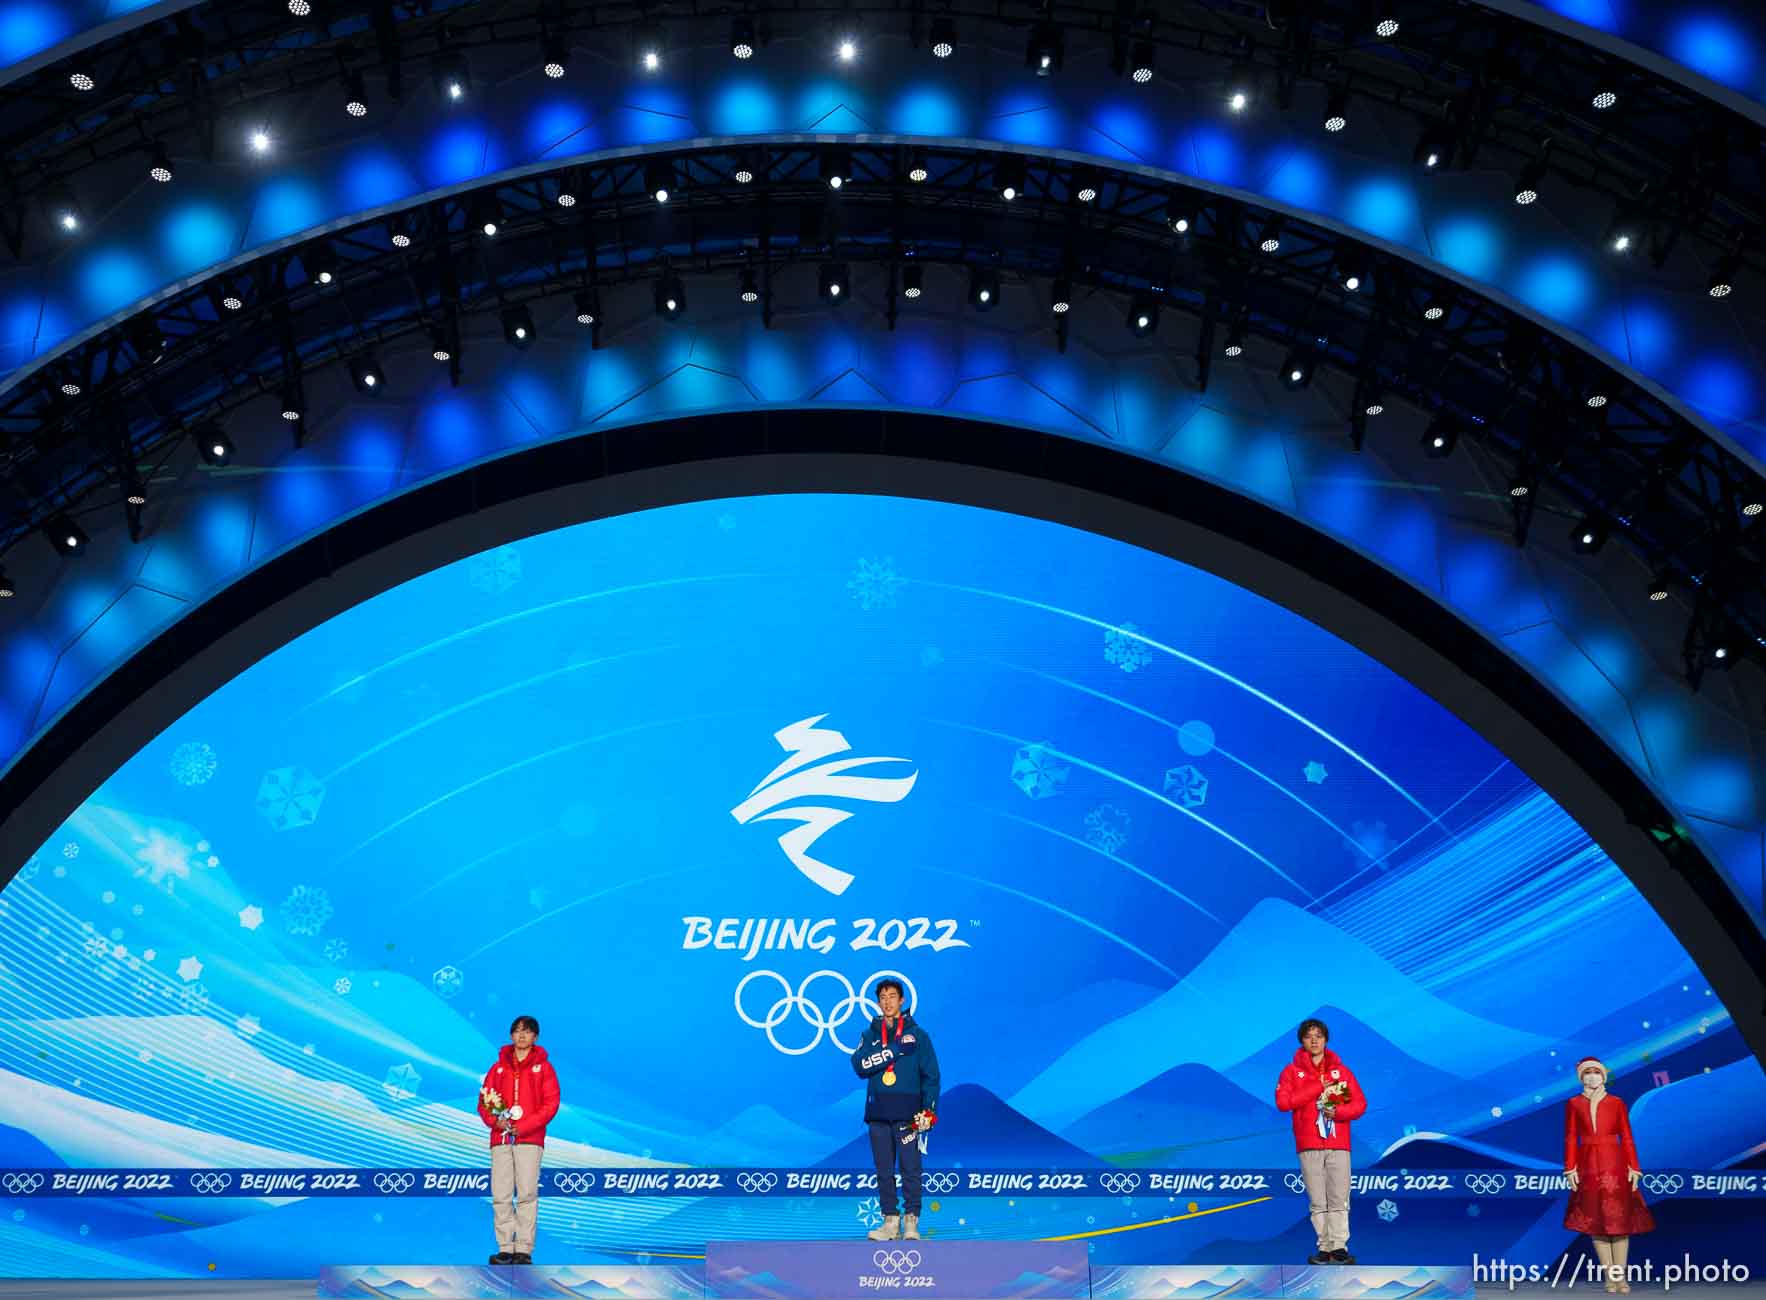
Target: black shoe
point(1342, 1257)
point(521, 1257)
point(502, 1257)
point(1321, 1257)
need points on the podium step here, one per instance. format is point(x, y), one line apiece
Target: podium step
point(901, 1270)
point(927, 1270)
point(505, 1282)
point(1280, 1282)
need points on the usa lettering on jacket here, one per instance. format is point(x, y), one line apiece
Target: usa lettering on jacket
point(877, 1058)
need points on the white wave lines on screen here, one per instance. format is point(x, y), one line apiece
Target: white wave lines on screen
point(1202, 664)
point(1117, 858)
point(230, 1113)
point(533, 611)
point(1138, 788)
point(507, 688)
point(1524, 872)
point(1177, 729)
point(542, 757)
point(1455, 841)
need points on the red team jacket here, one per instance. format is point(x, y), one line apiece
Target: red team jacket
point(1298, 1089)
point(531, 1084)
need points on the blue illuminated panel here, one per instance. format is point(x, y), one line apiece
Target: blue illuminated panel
point(1119, 824)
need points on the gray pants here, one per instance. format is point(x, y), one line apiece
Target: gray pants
point(1327, 1188)
point(515, 1194)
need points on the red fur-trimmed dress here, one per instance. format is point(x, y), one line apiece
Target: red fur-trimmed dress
point(1599, 1148)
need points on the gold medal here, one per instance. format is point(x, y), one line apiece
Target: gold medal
point(889, 1078)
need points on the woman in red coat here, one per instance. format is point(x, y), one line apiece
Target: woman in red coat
point(1600, 1163)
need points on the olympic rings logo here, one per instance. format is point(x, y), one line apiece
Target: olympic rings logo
point(1295, 1183)
point(1485, 1184)
point(896, 1261)
point(855, 1002)
point(572, 1183)
point(756, 1182)
point(209, 1183)
point(938, 1184)
point(21, 1184)
point(394, 1184)
point(1661, 1184)
point(1118, 1184)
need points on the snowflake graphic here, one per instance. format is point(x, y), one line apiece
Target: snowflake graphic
point(251, 917)
point(1315, 772)
point(1106, 827)
point(96, 946)
point(166, 859)
point(305, 910)
point(341, 985)
point(193, 998)
point(870, 1213)
point(29, 870)
point(193, 763)
point(1188, 784)
point(1124, 648)
point(448, 981)
point(290, 797)
point(494, 572)
point(70, 850)
point(1387, 1210)
point(1037, 771)
point(875, 584)
point(336, 950)
point(189, 969)
point(402, 1081)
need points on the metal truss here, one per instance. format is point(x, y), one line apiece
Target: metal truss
point(1481, 86)
point(1542, 410)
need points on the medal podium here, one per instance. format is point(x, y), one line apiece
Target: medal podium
point(860, 1270)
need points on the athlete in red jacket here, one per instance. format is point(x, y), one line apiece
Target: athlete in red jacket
point(1323, 1095)
point(525, 1088)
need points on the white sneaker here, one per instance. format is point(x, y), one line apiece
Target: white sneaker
point(887, 1231)
point(910, 1228)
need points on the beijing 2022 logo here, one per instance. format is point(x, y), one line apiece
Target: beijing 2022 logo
point(807, 743)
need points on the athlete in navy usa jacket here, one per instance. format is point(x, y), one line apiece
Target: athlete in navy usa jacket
point(896, 1059)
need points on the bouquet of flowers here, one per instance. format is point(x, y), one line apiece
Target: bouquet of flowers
point(501, 1111)
point(920, 1127)
point(1334, 1095)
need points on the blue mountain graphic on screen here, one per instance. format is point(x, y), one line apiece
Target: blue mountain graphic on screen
point(1243, 972)
point(1226, 1124)
point(977, 1128)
